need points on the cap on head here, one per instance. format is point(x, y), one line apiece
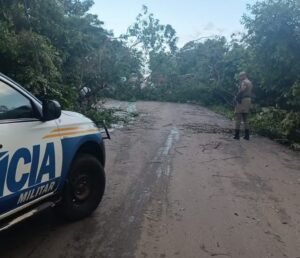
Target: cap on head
point(244, 74)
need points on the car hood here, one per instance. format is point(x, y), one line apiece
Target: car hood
point(70, 115)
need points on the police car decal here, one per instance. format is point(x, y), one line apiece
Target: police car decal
point(71, 132)
point(26, 170)
point(29, 173)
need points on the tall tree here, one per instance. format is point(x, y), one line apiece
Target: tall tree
point(274, 37)
point(148, 33)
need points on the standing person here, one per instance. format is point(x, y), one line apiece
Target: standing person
point(243, 105)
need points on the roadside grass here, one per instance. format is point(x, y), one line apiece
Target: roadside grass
point(276, 124)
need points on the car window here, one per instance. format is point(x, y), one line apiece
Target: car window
point(13, 105)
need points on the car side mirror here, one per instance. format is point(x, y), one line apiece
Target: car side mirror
point(51, 110)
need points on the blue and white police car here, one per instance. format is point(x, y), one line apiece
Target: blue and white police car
point(48, 158)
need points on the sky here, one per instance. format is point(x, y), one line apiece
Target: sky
point(192, 19)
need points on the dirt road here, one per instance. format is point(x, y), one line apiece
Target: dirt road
point(179, 186)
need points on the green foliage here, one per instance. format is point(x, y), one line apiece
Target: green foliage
point(277, 123)
point(99, 116)
point(55, 48)
point(110, 116)
point(290, 124)
point(152, 36)
point(200, 71)
point(273, 38)
point(268, 122)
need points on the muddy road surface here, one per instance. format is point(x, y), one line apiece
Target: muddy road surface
point(179, 186)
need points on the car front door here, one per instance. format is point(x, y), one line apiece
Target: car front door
point(30, 159)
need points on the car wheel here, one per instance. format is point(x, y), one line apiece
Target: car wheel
point(84, 188)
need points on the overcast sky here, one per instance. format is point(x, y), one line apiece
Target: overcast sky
point(190, 18)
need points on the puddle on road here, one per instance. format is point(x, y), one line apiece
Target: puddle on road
point(163, 156)
point(173, 137)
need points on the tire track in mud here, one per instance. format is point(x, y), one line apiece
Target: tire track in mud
point(129, 215)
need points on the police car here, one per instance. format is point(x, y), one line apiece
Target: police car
point(48, 158)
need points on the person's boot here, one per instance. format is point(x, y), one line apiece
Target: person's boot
point(247, 135)
point(237, 134)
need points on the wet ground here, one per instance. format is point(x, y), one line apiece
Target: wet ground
point(179, 186)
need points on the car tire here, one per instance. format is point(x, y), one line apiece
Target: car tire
point(84, 188)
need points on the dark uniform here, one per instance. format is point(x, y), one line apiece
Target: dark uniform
point(242, 108)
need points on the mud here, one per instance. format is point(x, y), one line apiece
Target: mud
point(179, 186)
